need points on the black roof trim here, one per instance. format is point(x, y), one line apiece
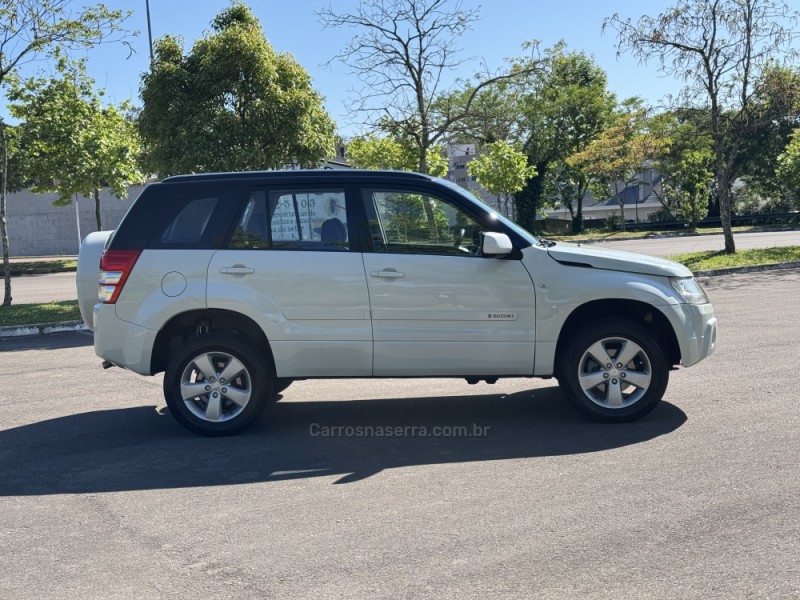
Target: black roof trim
point(311, 174)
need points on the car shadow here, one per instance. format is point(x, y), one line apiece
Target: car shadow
point(142, 448)
point(48, 341)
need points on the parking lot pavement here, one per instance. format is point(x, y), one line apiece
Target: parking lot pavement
point(103, 496)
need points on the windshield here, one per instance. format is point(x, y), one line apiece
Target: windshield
point(492, 213)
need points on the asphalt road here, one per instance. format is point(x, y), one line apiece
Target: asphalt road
point(50, 287)
point(61, 286)
point(102, 495)
point(699, 243)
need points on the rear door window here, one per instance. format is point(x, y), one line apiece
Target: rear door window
point(293, 220)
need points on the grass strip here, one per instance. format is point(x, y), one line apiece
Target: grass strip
point(41, 267)
point(713, 259)
point(32, 314)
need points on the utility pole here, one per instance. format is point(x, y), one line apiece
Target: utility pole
point(149, 32)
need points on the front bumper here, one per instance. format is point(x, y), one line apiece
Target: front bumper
point(696, 329)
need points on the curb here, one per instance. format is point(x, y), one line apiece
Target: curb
point(43, 328)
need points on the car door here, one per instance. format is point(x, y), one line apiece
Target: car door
point(438, 307)
point(290, 266)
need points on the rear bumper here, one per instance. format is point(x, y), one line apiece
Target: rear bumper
point(121, 343)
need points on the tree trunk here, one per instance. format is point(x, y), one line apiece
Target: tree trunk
point(724, 193)
point(97, 209)
point(576, 212)
point(3, 219)
point(723, 178)
point(528, 200)
point(577, 218)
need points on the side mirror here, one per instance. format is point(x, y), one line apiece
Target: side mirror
point(495, 244)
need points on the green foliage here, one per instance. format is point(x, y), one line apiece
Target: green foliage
point(372, 152)
point(616, 157)
point(775, 115)
point(722, 50)
point(72, 143)
point(564, 109)
point(746, 201)
point(502, 170)
point(788, 170)
point(711, 259)
point(16, 177)
point(34, 314)
point(39, 267)
point(231, 104)
point(30, 28)
point(689, 185)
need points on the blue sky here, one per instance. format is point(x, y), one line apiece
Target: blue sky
point(293, 27)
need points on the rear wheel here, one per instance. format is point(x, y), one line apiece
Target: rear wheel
point(614, 371)
point(217, 385)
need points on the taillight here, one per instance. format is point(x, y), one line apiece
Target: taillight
point(115, 266)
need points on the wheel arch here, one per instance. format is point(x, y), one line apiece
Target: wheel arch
point(194, 323)
point(636, 311)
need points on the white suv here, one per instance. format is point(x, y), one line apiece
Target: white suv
point(237, 284)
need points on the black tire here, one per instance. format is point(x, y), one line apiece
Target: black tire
point(614, 394)
point(280, 384)
point(237, 402)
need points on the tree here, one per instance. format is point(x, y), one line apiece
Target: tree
point(502, 170)
point(372, 152)
point(562, 117)
point(29, 30)
point(614, 160)
point(407, 212)
point(688, 186)
point(402, 53)
point(788, 170)
point(73, 143)
point(231, 104)
point(776, 113)
point(720, 49)
point(685, 164)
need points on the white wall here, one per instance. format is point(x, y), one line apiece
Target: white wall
point(37, 228)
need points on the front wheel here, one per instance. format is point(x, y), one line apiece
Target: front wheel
point(217, 385)
point(614, 371)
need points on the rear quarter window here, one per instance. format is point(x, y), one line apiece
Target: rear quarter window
point(191, 222)
point(191, 215)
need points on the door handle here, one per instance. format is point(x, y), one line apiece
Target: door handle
point(237, 270)
point(388, 274)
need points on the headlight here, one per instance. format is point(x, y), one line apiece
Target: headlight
point(690, 290)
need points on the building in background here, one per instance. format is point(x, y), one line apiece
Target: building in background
point(458, 157)
point(640, 200)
